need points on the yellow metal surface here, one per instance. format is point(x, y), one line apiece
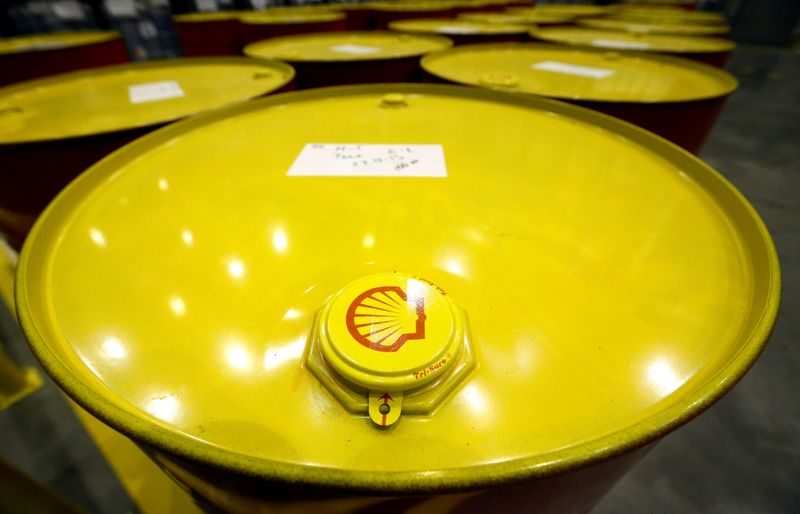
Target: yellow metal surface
point(106, 100)
point(584, 74)
point(676, 17)
point(200, 17)
point(571, 11)
point(453, 27)
point(8, 266)
point(346, 46)
point(655, 28)
point(411, 6)
point(15, 383)
point(614, 284)
point(152, 490)
point(38, 42)
point(612, 39)
point(516, 19)
point(280, 17)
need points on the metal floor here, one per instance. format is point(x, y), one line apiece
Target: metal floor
point(741, 456)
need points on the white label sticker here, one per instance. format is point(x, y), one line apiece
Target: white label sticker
point(355, 49)
point(616, 43)
point(68, 10)
point(457, 29)
point(206, 5)
point(45, 45)
point(368, 160)
point(121, 8)
point(154, 91)
point(573, 69)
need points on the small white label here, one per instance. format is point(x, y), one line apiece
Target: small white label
point(355, 49)
point(206, 5)
point(45, 45)
point(457, 29)
point(573, 69)
point(121, 8)
point(154, 91)
point(616, 43)
point(68, 10)
point(368, 160)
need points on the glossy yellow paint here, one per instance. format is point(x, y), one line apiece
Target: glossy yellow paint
point(614, 285)
point(346, 46)
point(612, 39)
point(580, 74)
point(153, 491)
point(411, 6)
point(566, 10)
point(655, 28)
point(38, 42)
point(516, 19)
point(200, 17)
point(269, 17)
point(675, 17)
point(454, 27)
point(8, 266)
point(102, 99)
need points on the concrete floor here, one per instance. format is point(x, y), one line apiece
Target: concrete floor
point(741, 456)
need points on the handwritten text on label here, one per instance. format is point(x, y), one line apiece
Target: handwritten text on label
point(369, 160)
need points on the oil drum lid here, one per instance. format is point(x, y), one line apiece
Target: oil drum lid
point(346, 46)
point(455, 27)
point(282, 17)
point(130, 96)
point(655, 28)
point(612, 39)
point(532, 18)
point(249, 287)
point(580, 73)
point(43, 42)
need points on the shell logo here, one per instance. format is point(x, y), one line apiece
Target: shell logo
point(383, 318)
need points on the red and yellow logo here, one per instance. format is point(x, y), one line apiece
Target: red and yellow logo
point(384, 318)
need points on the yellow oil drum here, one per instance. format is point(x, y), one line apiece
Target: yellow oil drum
point(357, 299)
point(350, 57)
point(568, 10)
point(52, 129)
point(387, 12)
point(677, 29)
point(268, 24)
point(676, 98)
point(709, 50)
point(462, 31)
point(529, 19)
point(30, 57)
point(209, 33)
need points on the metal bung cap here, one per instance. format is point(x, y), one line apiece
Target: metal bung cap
point(390, 332)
